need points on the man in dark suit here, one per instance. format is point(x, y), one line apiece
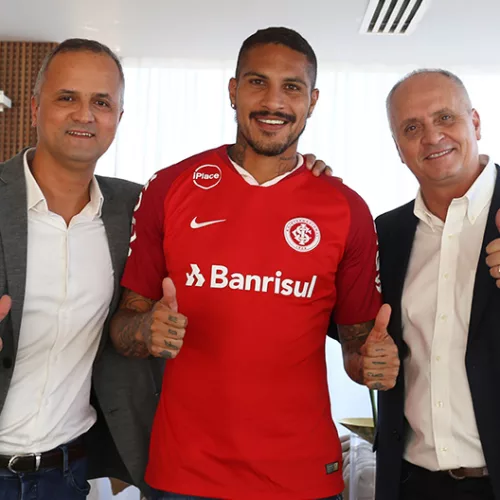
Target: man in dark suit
point(438, 435)
point(71, 408)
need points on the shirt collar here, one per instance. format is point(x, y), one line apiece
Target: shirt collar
point(253, 181)
point(421, 212)
point(34, 194)
point(477, 197)
point(36, 200)
point(481, 192)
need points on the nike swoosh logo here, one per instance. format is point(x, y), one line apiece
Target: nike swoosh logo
point(197, 225)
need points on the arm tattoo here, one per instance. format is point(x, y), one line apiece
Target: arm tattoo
point(352, 337)
point(131, 325)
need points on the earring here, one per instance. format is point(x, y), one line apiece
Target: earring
point(233, 105)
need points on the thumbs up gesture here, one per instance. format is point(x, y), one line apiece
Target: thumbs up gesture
point(493, 251)
point(380, 354)
point(5, 305)
point(168, 326)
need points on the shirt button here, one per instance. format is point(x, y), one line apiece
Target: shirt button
point(439, 404)
point(445, 276)
point(438, 358)
point(443, 317)
point(444, 448)
point(450, 236)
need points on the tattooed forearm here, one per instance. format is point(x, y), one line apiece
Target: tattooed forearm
point(352, 337)
point(131, 325)
point(130, 332)
point(134, 302)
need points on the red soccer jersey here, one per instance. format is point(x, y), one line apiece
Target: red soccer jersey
point(245, 412)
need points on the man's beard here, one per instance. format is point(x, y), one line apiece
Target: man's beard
point(272, 149)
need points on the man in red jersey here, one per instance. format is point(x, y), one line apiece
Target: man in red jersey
point(262, 254)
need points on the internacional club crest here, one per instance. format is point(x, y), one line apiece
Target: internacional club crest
point(302, 234)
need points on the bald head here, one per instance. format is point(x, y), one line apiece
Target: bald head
point(425, 76)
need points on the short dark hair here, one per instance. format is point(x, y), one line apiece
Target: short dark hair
point(78, 45)
point(426, 71)
point(280, 36)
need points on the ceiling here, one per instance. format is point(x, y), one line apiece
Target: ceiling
point(452, 32)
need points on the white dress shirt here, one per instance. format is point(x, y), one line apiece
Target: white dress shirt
point(69, 287)
point(436, 308)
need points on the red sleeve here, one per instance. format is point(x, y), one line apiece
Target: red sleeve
point(145, 267)
point(358, 281)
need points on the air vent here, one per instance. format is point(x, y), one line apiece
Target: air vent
point(393, 17)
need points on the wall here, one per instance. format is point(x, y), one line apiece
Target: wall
point(19, 65)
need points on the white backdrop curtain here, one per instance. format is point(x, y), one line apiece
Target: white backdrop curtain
point(174, 109)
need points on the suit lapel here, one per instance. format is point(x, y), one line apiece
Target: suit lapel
point(397, 251)
point(116, 221)
point(484, 284)
point(408, 228)
point(14, 236)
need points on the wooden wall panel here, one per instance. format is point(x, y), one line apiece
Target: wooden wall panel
point(19, 65)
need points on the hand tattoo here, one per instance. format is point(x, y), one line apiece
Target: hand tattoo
point(170, 345)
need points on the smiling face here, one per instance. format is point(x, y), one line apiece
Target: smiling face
point(435, 130)
point(273, 97)
point(78, 109)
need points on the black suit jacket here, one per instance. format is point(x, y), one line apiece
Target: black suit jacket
point(396, 231)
